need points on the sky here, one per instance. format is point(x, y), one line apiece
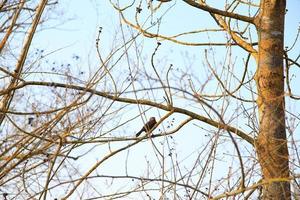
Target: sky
point(75, 26)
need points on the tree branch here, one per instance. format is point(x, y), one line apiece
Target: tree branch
point(219, 12)
point(117, 97)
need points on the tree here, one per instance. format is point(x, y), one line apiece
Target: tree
point(268, 18)
point(271, 142)
point(74, 134)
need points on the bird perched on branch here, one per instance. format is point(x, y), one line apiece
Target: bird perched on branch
point(148, 126)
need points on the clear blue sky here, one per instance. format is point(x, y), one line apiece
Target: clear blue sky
point(81, 20)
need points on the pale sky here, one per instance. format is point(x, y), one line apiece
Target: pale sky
point(76, 30)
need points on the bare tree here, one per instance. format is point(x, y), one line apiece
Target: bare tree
point(267, 17)
point(221, 116)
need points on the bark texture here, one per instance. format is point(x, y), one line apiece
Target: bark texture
point(271, 143)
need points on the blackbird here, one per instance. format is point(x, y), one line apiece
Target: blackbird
point(148, 126)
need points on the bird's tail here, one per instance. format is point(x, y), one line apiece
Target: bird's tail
point(138, 133)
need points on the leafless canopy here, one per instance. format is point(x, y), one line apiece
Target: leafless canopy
point(68, 130)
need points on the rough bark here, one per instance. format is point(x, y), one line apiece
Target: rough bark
point(271, 143)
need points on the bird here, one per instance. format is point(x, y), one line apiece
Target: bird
point(148, 126)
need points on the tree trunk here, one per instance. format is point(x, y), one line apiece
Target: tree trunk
point(271, 143)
